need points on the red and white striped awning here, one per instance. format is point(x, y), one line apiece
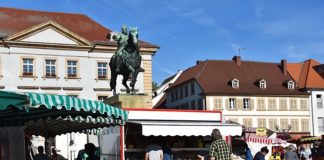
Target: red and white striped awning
point(265, 140)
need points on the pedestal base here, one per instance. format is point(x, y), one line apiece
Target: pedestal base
point(130, 101)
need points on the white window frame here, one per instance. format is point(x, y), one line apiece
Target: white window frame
point(291, 85)
point(28, 66)
point(231, 103)
point(235, 83)
point(263, 84)
point(102, 76)
point(72, 66)
point(50, 65)
point(319, 101)
point(246, 103)
point(320, 126)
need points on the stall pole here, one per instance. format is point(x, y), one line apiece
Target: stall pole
point(121, 141)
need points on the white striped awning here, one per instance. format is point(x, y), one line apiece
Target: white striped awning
point(50, 115)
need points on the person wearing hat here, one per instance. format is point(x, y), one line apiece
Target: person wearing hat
point(291, 154)
point(219, 149)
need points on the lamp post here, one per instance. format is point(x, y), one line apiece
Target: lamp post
point(283, 133)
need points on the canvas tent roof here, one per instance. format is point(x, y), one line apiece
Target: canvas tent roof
point(50, 115)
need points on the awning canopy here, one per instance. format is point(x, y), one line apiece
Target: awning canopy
point(161, 122)
point(50, 115)
point(189, 128)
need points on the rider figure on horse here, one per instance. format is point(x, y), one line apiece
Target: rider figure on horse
point(122, 40)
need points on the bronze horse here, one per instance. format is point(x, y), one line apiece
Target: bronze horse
point(130, 64)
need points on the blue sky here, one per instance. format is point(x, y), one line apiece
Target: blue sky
point(191, 30)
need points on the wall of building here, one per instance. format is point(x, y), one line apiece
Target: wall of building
point(317, 112)
point(256, 116)
point(185, 101)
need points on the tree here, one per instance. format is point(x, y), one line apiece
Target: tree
point(154, 86)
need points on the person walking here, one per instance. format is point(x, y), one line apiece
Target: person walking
point(261, 154)
point(248, 154)
point(219, 149)
point(41, 155)
point(153, 152)
point(291, 154)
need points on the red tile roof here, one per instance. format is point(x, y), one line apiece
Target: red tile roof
point(305, 74)
point(214, 76)
point(16, 20)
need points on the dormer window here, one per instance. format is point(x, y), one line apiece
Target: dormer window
point(263, 84)
point(291, 85)
point(235, 83)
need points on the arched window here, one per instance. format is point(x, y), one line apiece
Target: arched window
point(263, 84)
point(291, 85)
point(235, 83)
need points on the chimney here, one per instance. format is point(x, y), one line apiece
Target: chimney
point(284, 66)
point(237, 60)
point(198, 62)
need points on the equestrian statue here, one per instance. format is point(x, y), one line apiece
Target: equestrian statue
point(127, 59)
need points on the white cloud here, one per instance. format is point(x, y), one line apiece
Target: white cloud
point(167, 71)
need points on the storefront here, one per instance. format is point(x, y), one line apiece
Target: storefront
point(186, 132)
point(26, 114)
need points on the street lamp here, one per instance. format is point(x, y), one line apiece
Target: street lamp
point(283, 133)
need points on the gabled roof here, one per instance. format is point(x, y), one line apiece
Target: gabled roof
point(305, 74)
point(14, 21)
point(214, 76)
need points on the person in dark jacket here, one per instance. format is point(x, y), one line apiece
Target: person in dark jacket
point(248, 154)
point(261, 154)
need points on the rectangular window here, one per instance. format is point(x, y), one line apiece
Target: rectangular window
point(283, 123)
point(272, 104)
point(273, 124)
point(283, 104)
point(247, 122)
point(28, 67)
point(192, 88)
point(303, 104)
point(200, 104)
point(262, 122)
point(193, 104)
point(73, 95)
point(102, 70)
point(181, 92)
point(231, 103)
point(319, 101)
point(72, 68)
point(293, 105)
point(305, 125)
point(218, 104)
point(261, 104)
point(294, 125)
point(321, 124)
point(172, 95)
point(186, 91)
point(246, 103)
point(176, 93)
point(50, 68)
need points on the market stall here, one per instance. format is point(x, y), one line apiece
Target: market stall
point(187, 132)
point(49, 115)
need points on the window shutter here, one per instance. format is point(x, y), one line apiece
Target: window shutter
point(226, 103)
point(252, 104)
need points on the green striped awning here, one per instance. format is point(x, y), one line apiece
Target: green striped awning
point(47, 114)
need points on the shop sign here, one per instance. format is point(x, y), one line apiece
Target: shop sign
point(261, 131)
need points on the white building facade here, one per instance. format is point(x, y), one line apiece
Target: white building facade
point(49, 58)
point(264, 97)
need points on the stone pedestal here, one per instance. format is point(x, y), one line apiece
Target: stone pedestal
point(130, 101)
